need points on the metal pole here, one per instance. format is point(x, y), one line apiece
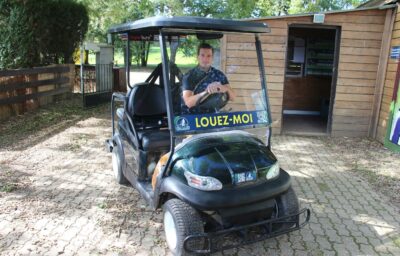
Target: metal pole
point(263, 83)
point(168, 98)
point(127, 62)
point(81, 73)
point(167, 89)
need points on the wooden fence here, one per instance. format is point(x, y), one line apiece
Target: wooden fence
point(22, 90)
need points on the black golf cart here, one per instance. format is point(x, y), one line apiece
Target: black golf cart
point(219, 186)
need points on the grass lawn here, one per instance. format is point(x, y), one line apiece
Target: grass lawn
point(155, 59)
point(183, 62)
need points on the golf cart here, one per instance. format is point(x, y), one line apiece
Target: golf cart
point(219, 186)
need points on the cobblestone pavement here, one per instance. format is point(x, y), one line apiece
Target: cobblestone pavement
point(64, 201)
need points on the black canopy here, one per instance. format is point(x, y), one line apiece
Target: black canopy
point(154, 24)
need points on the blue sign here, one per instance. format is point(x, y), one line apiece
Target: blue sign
point(219, 120)
point(395, 52)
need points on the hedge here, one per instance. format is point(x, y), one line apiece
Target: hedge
point(40, 32)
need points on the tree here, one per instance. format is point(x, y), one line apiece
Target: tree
point(305, 6)
point(66, 16)
point(204, 8)
point(104, 14)
point(168, 7)
point(272, 8)
point(35, 33)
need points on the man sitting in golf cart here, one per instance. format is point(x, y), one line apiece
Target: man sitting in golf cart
point(202, 81)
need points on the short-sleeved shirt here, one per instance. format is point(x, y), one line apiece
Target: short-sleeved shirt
point(197, 80)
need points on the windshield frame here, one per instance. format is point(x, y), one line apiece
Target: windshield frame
point(164, 33)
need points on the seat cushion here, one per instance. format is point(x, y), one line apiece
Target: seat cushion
point(146, 99)
point(152, 140)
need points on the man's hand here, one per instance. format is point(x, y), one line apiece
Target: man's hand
point(191, 99)
point(216, 87)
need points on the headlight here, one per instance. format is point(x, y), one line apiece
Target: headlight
point(202, 182)
point(273, 171)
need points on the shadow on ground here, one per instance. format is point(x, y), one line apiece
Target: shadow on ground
point(24, 131)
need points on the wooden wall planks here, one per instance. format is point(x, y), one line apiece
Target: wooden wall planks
point(390, 78)
point(360, 49)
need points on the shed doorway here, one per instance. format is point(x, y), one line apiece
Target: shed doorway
point(310, 79)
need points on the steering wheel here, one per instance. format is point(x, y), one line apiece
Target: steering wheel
point(211, 103)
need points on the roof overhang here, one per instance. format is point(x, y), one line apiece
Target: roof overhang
point(382, 7)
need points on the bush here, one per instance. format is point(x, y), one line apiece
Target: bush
point(40, 32)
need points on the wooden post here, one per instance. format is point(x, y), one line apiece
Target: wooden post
point(33, 103)
point(222, 54)
point(381, 73)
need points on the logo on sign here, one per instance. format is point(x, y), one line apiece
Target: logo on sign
point(182, 124)
point(262, 117)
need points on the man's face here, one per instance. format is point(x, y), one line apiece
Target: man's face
point(205, 58)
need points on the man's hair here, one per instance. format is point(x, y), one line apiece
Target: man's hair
point(204, 46)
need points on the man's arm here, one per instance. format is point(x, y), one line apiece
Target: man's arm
point(191, 99)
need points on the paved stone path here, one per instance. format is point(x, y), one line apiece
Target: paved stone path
point(65, 201)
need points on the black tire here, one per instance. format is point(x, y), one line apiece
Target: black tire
point(288, 204)
point(186, 221)
point(118, 165)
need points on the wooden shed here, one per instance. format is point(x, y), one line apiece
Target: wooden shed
point(327, 74)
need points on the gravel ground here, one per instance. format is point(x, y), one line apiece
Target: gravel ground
point(372, 162)
point(58, 196)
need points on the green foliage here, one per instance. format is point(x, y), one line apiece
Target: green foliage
point(102, 205)
point(272, 8)
point(62, 30)
point(36, 33)
point(305, 6)
point(7, 188)
point(204, 8)
point(104, 14)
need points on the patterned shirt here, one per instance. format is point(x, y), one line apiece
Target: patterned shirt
point(197, 80)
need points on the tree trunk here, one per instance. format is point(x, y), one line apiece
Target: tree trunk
point(86, 57)
point(174, 49)
point(143, 54)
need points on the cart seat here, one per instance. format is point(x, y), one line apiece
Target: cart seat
point(147, 107)
point(146, 100)
point(154, 140)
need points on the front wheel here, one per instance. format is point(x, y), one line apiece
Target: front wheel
point(288, 204)
point(181, 220)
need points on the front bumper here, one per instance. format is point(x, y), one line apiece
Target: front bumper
point(227, 198)
point(247, 234)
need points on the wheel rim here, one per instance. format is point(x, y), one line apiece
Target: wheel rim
point(170, 230)
point(115, 162)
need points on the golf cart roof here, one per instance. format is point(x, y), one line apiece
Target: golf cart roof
point(154, 24)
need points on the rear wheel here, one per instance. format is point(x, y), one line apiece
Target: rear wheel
point(288, 204)
point(181, 220)
point(118, 165)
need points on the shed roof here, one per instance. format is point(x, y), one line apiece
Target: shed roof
point(390, 4)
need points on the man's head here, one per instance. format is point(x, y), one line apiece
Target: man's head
point(205, 55)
